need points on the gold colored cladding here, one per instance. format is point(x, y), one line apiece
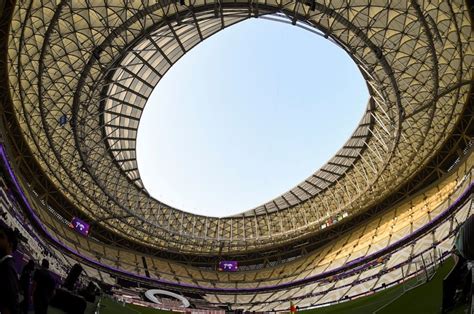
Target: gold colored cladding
point(429, 62)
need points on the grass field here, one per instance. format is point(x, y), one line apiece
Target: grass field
point(426, 298)
point(361, 305)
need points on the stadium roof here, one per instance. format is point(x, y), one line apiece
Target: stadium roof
point(80, 74)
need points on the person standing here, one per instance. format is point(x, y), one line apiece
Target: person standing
point(43, 288)
point(293, 308)
point(25, 285)
point(9, 288)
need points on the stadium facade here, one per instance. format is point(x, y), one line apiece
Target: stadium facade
point(75, 78)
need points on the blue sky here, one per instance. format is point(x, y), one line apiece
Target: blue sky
point(247, 115)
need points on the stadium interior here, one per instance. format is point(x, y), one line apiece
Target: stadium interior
point(385, 226)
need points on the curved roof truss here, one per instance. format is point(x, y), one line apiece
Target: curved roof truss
point(80, 74)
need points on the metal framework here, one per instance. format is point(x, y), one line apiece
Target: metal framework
point(79, 75)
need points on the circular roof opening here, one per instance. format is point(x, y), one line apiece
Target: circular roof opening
point(247, 115)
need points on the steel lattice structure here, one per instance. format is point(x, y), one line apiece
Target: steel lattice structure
point(95, 63)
